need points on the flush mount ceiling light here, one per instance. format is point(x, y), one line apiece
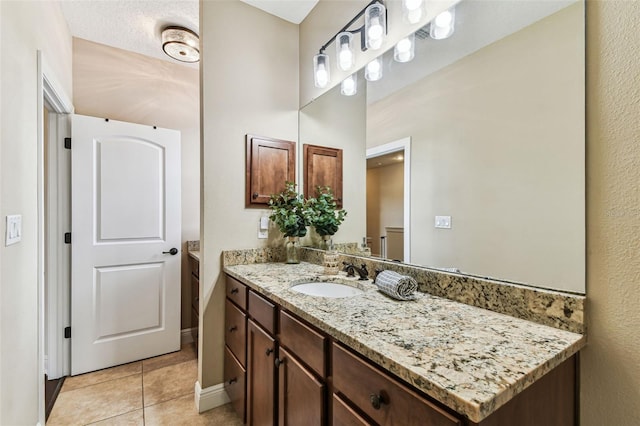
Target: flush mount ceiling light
point(181, 44)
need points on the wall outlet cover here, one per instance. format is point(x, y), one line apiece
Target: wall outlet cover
point(443, 222)
point(13, 229)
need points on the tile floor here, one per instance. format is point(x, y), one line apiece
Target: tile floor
point(155, 391)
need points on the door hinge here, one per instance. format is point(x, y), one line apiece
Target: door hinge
point(67, 237)
point(67, 143)
point(67, 332)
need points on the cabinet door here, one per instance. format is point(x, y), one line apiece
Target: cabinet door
point(260, 376)
point(344, 415)
point(301, 398)
point(323, 167)
point(270, 163)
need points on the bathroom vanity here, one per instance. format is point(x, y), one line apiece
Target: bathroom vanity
point(294, 359)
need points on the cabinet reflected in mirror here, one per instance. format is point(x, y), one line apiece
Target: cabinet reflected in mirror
point(495, 116)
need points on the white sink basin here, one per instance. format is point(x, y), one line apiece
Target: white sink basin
point(326, 289)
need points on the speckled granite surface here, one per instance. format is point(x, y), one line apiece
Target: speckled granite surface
point(470, 359)
point(560, 310)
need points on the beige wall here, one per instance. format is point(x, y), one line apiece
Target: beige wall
point(346, 115)
point(25, 27)
point(249, 75)
point(610, 364)
point(126, 86)
point(385, 201)
point(514, 149)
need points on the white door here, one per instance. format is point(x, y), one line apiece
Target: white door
point(125, 219)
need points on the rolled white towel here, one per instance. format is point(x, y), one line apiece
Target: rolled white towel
point(397, 286)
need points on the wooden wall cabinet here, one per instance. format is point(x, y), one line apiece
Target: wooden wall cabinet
point(323, 167)
point(270, 163)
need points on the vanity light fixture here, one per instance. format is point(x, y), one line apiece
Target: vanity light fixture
point(349, 85)
point(321, 70)
point(404, 51)
point(181, 44)
point(344, 51)
point(443, 24)
point(373, 70)
point(372, 34)
point(412, 11)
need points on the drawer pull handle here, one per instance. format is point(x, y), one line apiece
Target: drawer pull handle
point(232, 381)
point(279, 362)
point(233, 328)
point(377, 400)
point(234, 290)
point(269, 351)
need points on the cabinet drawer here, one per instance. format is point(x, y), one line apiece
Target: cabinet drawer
point(343, 415)
point(364, 385)
point(234, 382)
point(263, 312)
point(194, 266)
point(235, 331)
point(195, 293)
point(237, 292)
point(308, 344)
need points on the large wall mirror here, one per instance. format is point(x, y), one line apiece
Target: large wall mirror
point(476, 147)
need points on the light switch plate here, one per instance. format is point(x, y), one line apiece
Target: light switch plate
point(443, 222)
point(263, 228)
point(14, 229)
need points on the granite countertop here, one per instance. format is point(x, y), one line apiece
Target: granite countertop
point(195, 254)
point(470, 359)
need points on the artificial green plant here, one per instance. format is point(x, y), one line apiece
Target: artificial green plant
point(325, 216)
point(290, 211)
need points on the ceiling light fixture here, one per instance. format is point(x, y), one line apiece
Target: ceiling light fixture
point(372, 35)
point(181, 44)
point(443, 25)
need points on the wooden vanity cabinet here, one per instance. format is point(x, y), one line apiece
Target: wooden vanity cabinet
point(235, 374)
point(194, 267)
point(261, 376)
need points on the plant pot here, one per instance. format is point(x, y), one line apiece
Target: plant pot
point(292, 249)
point(325, 243)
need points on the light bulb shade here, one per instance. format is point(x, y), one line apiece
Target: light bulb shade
point(373, 70)
point(443, 25)
point(412, 11)
point(404, 51)
point(375, 26)
point(344, 51)
point(349, 85)
point(181, 44)
point(321, 70)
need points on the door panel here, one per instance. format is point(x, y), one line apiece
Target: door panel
point(125, 292)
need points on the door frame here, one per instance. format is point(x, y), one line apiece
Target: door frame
point(403, 144)
point(52, 96)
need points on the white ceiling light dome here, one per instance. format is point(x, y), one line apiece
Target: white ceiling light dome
point(181, 44)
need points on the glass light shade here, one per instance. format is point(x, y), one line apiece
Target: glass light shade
point(375, 24)
point(412, 11)
point(404, 51)
point(181, 44)
point(373, 70)
point(321, 70)
point(344, 51)
point(349, 85)
point(443, 25)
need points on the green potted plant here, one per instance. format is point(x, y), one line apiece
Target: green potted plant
point(324, 214)
point(290, 212)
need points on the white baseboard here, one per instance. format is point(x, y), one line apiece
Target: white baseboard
point(211, 397)
point(186, 336)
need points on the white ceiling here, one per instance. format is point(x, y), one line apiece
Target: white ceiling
point(135, 25)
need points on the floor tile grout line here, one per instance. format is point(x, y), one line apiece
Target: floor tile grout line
point(110, 417)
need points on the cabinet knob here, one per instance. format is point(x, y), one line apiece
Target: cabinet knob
point(232, 381)
point(233, 328)
point(269, 351)
point(377, 400)
point(279, 362)
point(234, 290)
point(255, 195)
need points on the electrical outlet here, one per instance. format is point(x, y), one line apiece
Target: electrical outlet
point(14, 229)
point(443, 222)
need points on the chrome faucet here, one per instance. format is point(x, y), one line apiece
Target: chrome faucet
point(350, 269)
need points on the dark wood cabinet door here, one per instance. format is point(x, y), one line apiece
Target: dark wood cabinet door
point(344, 415)
point(261, 354)
point(323, 167)
point(301, 397)
point(270, 163)
point(234, 382)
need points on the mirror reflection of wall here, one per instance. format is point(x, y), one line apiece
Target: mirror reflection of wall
point(496, 120)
